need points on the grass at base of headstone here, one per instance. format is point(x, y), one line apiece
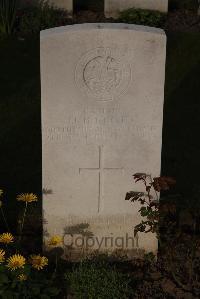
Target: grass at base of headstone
point(98, 280)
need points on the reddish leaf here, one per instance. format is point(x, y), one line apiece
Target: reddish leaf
point(163, 183)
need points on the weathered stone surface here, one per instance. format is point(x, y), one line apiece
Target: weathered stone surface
point(113, 7)
point(102, 106)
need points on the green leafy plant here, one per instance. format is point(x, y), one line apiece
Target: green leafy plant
point(150, 206)
point(143, 17)
point(29, 285)
point(34, 18)
point(8, 9)
point(180, 249)
point(98, 281)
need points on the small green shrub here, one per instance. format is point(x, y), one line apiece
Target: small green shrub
point(142, 17)
point(43, 16)
point(98, 281)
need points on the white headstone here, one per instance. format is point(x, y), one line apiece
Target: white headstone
point(102, 111)
point(114, 7)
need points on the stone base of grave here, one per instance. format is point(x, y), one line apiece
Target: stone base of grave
point(116, 255)
point(112, 235)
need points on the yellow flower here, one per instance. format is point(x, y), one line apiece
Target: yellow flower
point(55, 241)
point(6, 238)
point(38, 262)
point(1, 192)
point(16, 261)
point(22, 277)
point(27, 197)
point(2, 256)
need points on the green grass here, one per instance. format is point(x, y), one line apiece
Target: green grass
point(20, 134)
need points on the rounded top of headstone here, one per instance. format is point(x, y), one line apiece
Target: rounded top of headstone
point(100, 26)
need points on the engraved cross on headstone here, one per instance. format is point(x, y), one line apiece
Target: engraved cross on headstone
point(100, 171)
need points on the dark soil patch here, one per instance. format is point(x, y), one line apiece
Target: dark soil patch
point(97, 5)
point(183, 20)
point(88, 16)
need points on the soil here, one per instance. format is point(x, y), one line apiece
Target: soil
point(183, 20)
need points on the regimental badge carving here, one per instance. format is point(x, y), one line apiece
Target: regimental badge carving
point(103, 74)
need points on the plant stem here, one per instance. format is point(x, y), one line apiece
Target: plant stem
point(4, 219)
point(23, 219)
point(56, 263)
